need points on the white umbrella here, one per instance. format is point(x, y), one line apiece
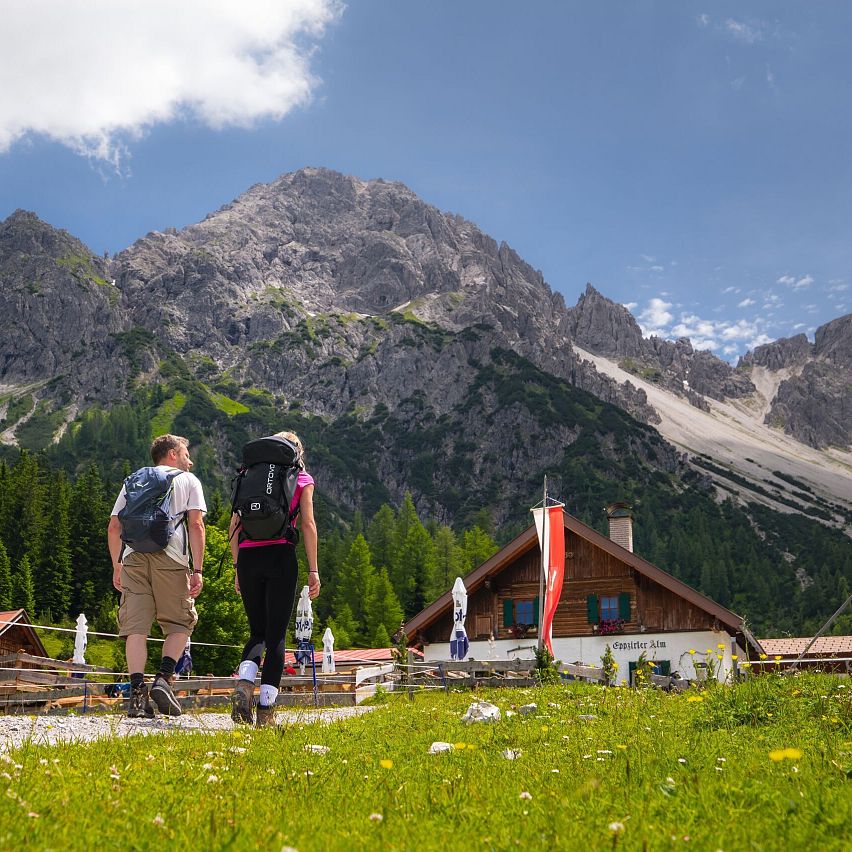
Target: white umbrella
point(328, 651)
point(80, 640)
point(459, 642)
point(304, 629)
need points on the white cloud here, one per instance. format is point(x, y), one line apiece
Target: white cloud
point(743, 32)
point(798, 325)
point(647, 258)
point(796, 283)
point(655, 318)
point(746, 303)
point(96, 74)
point(704, 19)
point(726, 337)
point(728, 290)
point(657, 269)
point(630, 305)
point(838, 288)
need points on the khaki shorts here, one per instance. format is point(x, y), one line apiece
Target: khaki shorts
point(153, 585)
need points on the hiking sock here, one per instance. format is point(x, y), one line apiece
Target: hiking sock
point(247, 670)
point(167, 667)
point(137, 679)
point(268, 694)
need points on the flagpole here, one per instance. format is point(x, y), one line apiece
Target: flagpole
point(544, 549)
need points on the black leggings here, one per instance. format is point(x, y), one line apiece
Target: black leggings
point(268, 577)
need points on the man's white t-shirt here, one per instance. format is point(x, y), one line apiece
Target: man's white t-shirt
point(187, 494)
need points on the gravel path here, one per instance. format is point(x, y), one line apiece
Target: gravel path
point(50, 730)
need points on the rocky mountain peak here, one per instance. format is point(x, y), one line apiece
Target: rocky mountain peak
point(833, 342)
point(779, 354)
point(604, 327)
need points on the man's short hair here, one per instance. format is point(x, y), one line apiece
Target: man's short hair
point(161, 446)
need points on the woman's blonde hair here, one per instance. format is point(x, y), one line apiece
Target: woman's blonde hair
point(292, 436)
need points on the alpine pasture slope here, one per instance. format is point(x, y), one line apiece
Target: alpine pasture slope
point(761, 764)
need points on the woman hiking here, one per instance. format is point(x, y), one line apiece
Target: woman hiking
point(266, 577)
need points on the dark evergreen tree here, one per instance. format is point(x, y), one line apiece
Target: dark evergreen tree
point(5, 579)
point(92, 569)
point(383, 607)
point(24, 522)
point(53, 570)
point(383, 541)
point(450, 561)
point(417, 569)
point(353, 587)
point(23, 588)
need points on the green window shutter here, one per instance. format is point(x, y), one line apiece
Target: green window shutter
point(535, 609)
point(508, 612)
point(665, 667)
point(592, 609)
point(624, 606)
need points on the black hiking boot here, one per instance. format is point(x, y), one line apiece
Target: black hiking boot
point(164, 698)
point(139, 706)
point(242, 701)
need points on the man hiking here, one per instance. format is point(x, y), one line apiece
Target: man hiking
point(157, 521)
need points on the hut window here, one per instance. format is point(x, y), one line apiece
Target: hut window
point(524, 613)
point(520, 612)
point(609, 607)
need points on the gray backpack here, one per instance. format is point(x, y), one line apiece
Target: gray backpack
point(147, 523)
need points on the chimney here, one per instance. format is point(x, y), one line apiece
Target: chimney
point(621, 524)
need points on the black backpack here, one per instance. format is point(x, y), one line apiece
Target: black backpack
point(147, 523)
point(264, 487)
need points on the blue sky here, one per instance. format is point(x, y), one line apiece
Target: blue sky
point(691, 160)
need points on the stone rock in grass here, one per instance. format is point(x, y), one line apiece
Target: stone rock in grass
point(318, 749)
point(511, 754)
point(528, 709)
point(588, 717)
point(481, 711)
point(437, 748)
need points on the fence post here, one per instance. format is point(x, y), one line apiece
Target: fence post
point(409, 670)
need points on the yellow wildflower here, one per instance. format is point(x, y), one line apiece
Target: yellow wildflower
point(691, 651)
point(779, 754)
point(695, 698)
point(734, 657)
point(777, 657)
point(386, 764)
point(763, 656)
point(745, 665)
point(721, 645)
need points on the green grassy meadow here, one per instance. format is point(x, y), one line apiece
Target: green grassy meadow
point(765, 764)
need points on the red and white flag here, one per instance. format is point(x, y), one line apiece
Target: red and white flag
point(554, 564)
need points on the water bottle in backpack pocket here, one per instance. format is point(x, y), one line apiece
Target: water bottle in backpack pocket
point(264, 488)
point(147, 523)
